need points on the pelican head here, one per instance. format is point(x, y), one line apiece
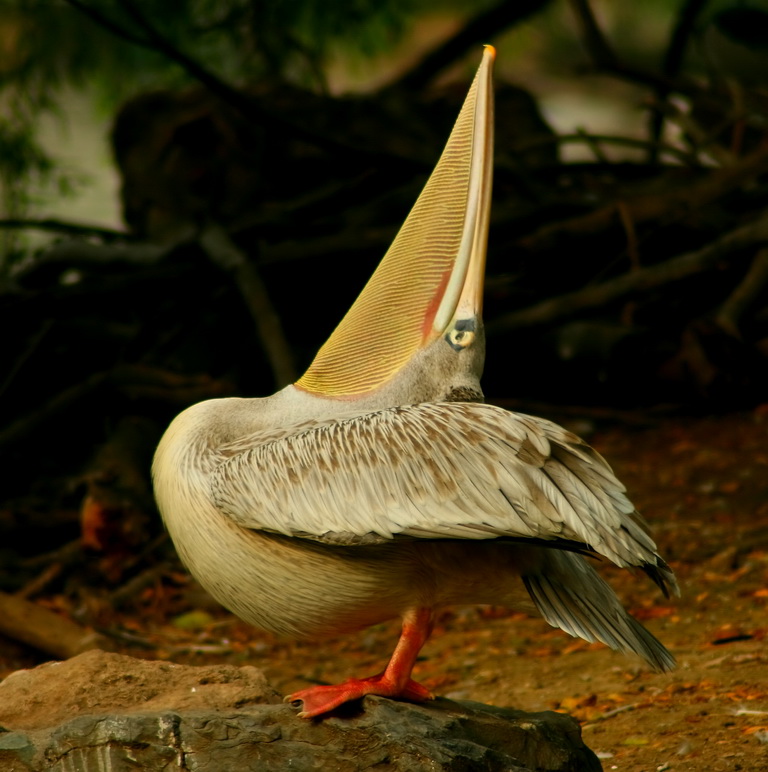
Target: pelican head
point(415, 333)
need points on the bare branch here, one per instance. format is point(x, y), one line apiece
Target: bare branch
point(744, 296)
point(63, 226)
point(480, 29)
point(605, 59)
point(104, 21)
point(600, 51)
point(581, 137)
point(680, 35)
point(226, 254)
point(673, 59)
point(28, 423)
point(636, 281)
point(650, 207)
point(248, 106)
point(52, 633)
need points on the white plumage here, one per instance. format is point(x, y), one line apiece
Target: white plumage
point(379, 485)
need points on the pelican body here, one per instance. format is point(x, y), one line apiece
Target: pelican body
point(380, 486)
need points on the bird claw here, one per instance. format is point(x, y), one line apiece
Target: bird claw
point(318, 700)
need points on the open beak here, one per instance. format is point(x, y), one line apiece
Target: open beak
point(434, 270)
point(463, 296)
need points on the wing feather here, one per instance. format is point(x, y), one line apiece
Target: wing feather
point(431, 470)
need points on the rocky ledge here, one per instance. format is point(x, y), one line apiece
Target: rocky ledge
point(108, 711)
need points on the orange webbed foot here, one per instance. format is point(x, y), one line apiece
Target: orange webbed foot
point(318, 700)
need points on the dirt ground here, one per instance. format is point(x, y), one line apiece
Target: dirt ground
point(703, 485)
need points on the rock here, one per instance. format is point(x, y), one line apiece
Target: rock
point(98, 683)
point(108, 711)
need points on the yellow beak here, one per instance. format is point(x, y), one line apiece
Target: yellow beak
point(433, 272)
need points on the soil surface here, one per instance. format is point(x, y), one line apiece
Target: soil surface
point(703, 486)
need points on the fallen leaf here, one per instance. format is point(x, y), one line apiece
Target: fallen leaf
point(193, 620)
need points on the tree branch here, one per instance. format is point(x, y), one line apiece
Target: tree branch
point(744, 296)
point(581, 137)
point(597, 45)
point(104, 21)
point(673, 59)
point(62, 226)
point(23, 426)
point(680, 35)
point(605, 59)
point(481, 28)
point(650, 207)
point(52, 633)
point(226, 254)
point(245, 104)
point(637, 281)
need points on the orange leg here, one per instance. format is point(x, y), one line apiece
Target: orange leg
point(394, 681)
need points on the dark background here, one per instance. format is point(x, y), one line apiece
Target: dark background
point(626, 273)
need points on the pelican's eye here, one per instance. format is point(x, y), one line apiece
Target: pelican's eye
point(462, 334)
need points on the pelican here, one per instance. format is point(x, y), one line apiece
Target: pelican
point(380, 486)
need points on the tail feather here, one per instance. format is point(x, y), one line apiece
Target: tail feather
point(571, 595)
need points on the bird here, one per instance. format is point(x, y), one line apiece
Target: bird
point(381, 486)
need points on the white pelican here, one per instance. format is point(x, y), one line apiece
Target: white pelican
point(379, 485)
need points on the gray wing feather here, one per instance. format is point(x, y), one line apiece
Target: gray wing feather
point(572, 596)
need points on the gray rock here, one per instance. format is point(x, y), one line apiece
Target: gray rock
point(199, 733)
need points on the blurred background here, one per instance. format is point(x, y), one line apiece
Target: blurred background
point(193, 193)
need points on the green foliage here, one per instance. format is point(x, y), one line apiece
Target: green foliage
point(21, 161)
point(19, 154)
point(118, 43)
point(25, 169)
point(120, 47)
